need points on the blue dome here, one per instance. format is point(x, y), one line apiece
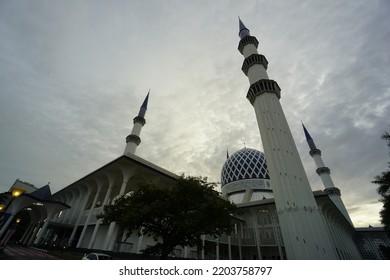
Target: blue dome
point(244, 164)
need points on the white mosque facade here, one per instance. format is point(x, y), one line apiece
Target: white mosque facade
point(281, 217)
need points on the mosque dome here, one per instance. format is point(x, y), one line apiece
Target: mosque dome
point(244, 164)
point(244, 176)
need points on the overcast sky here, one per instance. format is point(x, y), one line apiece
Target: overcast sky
point(73, 74)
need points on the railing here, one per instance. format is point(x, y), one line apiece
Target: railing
point(123, 247)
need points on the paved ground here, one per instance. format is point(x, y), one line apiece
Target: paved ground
point(14, 252)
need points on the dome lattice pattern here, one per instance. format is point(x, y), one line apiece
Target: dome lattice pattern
point(244, 164)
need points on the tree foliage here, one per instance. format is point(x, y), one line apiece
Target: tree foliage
point(383, 181)
point(174, 216)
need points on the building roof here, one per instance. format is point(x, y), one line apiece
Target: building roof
point(141, 163)
point(42, 193)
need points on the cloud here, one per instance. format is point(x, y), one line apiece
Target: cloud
point(73, 75)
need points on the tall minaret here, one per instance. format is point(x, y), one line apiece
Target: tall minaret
point(303, 230)
point(324, 173)
point(133, 139)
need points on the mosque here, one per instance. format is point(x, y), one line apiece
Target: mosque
point(281, 217)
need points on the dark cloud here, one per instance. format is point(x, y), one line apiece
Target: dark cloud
point(73, 75)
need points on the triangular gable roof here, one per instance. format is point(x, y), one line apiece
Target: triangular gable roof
point(43, 193)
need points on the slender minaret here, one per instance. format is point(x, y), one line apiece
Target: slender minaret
point(133, 139)
point(324, 173)
point(303, 230)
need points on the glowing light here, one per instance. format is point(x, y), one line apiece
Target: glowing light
point(17, 192)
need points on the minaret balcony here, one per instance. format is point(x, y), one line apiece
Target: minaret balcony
point(252, 60)
point(261, 87)
point(323, 170)
point(134, 139)
point(140, 120)
point(245, 41)
point(314, 152)
point(333, 191)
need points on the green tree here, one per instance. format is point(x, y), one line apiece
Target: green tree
point(174, 216)
point(383, 181)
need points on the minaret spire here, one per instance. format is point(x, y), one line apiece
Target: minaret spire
point(309, 140)
point(144, 106)
point(243, 30)
point(324, 173)
point(133, 139)
point(304, 231)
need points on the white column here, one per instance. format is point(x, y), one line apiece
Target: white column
point(229, 247)
point(37, 227)
point(111, 182)
point(26, 233)
point(126, 176)
point(113, 240)
point(5, 226)
point(276, 233)
point(69, 197)
point(203, 244)
point(99, 186)
point(185, 252)
point(80, 214)
point(29, 233)
point(77, 202)
point(7, 236)
point(110, 232)
point(257, 238)
point(217, 249)
point(239, 237)
point(93, 238)
point(43, 229)
point(140, 243)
